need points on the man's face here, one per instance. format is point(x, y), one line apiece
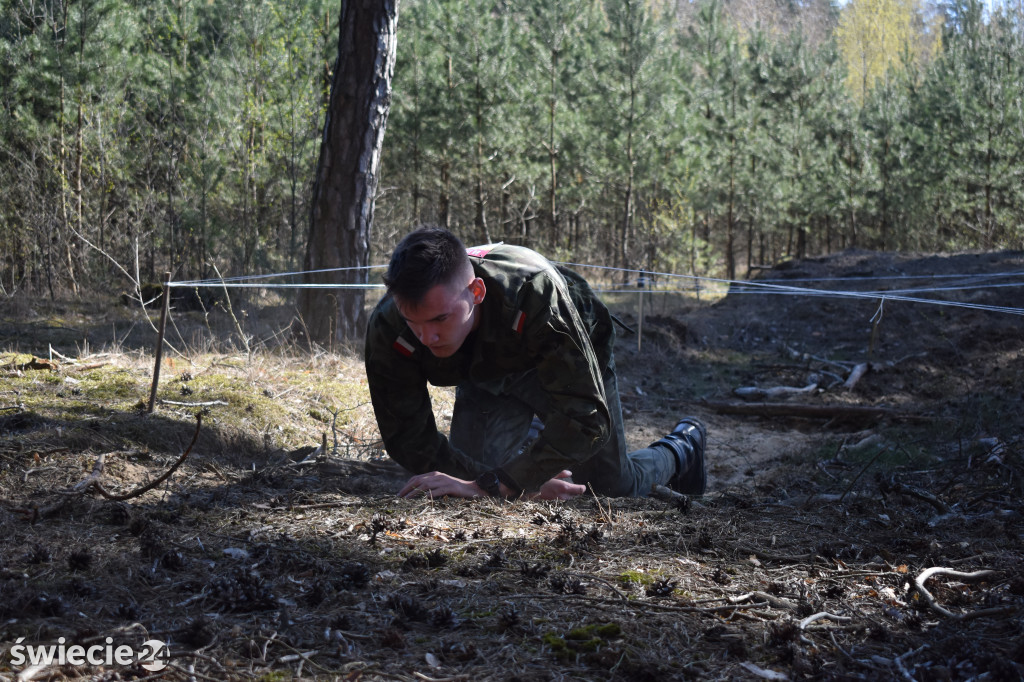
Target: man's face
point(445, 316)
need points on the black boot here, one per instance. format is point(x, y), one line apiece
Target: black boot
point(687, 441)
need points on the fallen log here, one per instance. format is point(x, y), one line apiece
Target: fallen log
point(809, 411)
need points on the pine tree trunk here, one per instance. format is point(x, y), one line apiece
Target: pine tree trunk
point(552, 147)
point(346, 175)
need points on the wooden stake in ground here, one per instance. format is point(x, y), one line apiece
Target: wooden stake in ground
point(876, 320)
point(160, 342)
point(641, 284)
point(640, 322)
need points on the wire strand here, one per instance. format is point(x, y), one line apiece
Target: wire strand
point(729, 286)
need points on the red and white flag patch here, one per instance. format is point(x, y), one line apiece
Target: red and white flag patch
point(518, 322)
point(403, 347)
point(480, 251)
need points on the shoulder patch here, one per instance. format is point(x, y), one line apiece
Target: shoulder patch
point(481, 251)
point(403, 347)
point(518, 322)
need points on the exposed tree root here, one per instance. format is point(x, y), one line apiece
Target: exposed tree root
point(921, 579)
point(92, 481)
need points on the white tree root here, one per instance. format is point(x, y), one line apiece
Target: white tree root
point(921, 579)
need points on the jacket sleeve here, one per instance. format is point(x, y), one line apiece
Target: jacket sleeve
point(578, 422)
point(401, 403)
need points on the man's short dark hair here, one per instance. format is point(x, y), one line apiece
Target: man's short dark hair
point(427, 256)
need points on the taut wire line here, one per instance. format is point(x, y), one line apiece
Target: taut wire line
point(241, 278)
point(733, 286)
point(754, 286)
point(274, 285)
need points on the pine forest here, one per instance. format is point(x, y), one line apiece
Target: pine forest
point(708, 138)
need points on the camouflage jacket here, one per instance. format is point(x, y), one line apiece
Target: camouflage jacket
point(534, 316)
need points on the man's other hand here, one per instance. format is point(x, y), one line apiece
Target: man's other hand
point(559, 488)
point(436, 484)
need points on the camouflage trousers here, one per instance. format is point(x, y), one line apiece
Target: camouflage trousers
point(491, 423)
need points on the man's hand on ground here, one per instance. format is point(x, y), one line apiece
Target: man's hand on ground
point(559, 488)
point(436, 484)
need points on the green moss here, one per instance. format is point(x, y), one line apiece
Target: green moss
point(635, 577)
point(9, 360)
point(260, 405)
point(553, 641)
point(599, 630)
point(276, 676)
point(587, 645)
point(585, 639)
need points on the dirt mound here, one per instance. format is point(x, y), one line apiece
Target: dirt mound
point(872, 306)
point(802, 330)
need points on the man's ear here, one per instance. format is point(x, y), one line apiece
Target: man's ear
point(478, 289)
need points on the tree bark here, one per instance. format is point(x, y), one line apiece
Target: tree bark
point(346, 175)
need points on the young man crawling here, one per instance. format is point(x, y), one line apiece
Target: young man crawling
point(528, 346)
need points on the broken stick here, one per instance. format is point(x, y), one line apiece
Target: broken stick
point(855, 376)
